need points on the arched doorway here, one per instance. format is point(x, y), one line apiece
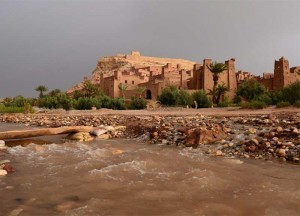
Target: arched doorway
point(148, 94)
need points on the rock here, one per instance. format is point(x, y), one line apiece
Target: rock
point(246, 156)
point(15, 212)
point(281, 152)
point(8, 168)
point(104, 136)
point(2, 143)
point(164, 141)
point(98, 132)
point(252, 130)
point(39, 148)
point(296, 159)
point(80, 136)
point(109, 128)
point(231, 144)
point(255, 141)
point(4, 161)
point(279, 129)
point(155, 134)
point(204, 135)
point(116, 151)
point(218, 153)
point(3, 172)
point(68, 205)
point(251, 148)
point(120, 127)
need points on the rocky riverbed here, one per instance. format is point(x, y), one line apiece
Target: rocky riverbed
point(266, 136)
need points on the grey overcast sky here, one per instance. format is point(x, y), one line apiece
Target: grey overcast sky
point(56, 43)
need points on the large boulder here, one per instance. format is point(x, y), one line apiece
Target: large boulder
point(204, 135)
point(80, 136)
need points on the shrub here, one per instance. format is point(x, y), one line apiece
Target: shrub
point(297, 103)
point(254, 105)
point(264, 98)
point(250, 90)
point(184, 98)
point(201, 98)
point(118, 104)
point(18, 101)
point(224, 103)
point(86, 103)
point(106, 102)
point(137, 103)
point(169, 96)
point(291, 93)
point(283, 104)
point(11, 109)
point(60, 100)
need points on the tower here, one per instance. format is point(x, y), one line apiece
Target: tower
point(281, 73)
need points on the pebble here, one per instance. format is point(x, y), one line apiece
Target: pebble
point(282, 152)
point(218, 153)
point(3, 172)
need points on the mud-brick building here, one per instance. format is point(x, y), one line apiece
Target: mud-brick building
point(283, 75)
point(168, 76)
point(203, 78)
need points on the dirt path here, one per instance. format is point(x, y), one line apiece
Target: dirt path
point(232, 111)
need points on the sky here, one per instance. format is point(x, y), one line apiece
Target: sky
point(56, 43)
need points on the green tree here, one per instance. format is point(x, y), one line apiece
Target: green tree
point(220, 92)
point(250, 90)
point(216, 69)
point(54, 92)
point(41, 89)
point(122, 88)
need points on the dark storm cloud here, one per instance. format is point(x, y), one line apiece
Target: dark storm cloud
point(56, 43)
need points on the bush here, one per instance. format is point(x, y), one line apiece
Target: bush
point(18, 101)
point(86, 103)
point(201, 98)
point(297, 103)
point(250, 90)
point(224, 103)
point(118, 104)
point(254, 105)
point(11, 109)
point(169, 96)
point(184, 98)
point(264, 98)
point(60, 100)
point(283, 104)
point(137, 103)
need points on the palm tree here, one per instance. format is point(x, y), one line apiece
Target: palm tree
point(140, 91)
point(220, 91)
point(41, 89)
point(122, 87)
point(216, 69)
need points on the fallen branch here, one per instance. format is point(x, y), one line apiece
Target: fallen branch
point(20, 134)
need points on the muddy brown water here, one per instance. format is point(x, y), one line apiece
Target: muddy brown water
point(128, 177)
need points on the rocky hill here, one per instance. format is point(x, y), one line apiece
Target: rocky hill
point(124, 62)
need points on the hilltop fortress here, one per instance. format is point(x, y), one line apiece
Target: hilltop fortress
point(154, 74)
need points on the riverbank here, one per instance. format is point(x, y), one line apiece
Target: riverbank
point(261, 134)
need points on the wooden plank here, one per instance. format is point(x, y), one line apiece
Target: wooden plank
point(20, 134)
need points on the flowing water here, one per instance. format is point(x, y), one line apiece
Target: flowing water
point(127, 177)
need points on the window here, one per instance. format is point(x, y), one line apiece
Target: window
point(125, 81)
point(132, 82)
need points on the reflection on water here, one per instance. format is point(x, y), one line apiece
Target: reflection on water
point(125, 177)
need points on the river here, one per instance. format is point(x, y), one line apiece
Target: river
point(129, 177)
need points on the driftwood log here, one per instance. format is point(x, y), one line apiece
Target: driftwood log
point(20, 134)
